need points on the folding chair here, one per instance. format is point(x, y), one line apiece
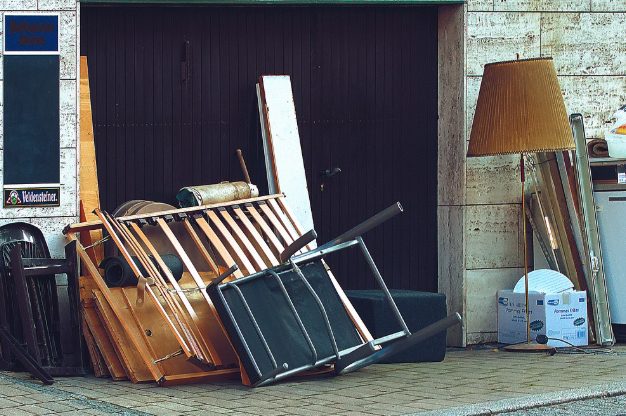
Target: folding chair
point(291, 318)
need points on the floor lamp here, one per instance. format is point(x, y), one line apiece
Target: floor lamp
point(520, 109)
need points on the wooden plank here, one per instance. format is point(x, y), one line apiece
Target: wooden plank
point(205, 342)
point(276, 223)
point(204, 377)
point(276, 244)
point(131, 338)
point(82, 226)
point(135, 366)
point(97, 361)
point(201, 248)
point(283, 144)
point(243, 240)
point(88, 174)
point(240, 256)
point(261, 245)
point(217, 243)
point(116, 368)
point(158, 337)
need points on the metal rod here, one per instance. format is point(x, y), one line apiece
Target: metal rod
point(383, 286)
point(320, 305)
point(523, 180)
point(238, 330)
point(402, 344)
point(219, 279)
point(254, 323)
point(368, 224)
point(295, 313)
point(297, 245)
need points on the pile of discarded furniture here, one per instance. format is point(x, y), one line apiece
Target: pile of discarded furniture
point(255, 300)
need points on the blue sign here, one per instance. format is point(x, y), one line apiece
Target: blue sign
point(31, 33)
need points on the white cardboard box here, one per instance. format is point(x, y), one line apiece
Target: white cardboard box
point(559, 315)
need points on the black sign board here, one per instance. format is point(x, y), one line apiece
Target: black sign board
point(31, 111)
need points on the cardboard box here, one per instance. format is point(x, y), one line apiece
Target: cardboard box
point(559, 315)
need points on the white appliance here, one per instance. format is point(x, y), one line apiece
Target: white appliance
point(611, 214)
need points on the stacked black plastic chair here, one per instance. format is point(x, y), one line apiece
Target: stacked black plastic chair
point(39, 316)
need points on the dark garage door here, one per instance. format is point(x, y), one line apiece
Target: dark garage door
point(173, 97)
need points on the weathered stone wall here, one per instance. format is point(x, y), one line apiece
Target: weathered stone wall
point(52, 219)
point(586, 39)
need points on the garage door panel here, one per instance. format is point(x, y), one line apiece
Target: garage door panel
point(173, 97)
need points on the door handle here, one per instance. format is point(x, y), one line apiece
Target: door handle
point(328, 173)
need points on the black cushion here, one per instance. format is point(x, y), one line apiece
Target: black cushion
point(419, 309)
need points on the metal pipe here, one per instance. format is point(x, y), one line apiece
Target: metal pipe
point(257, 328)
point(370, 223)
point(297, 245)
point(383, 286)
point(295, 313)
point(320, 305)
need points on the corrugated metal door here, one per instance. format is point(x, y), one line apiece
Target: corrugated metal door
point(173, 97)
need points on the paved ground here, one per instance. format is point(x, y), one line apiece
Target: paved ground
point(468, 382)
point(607, 406)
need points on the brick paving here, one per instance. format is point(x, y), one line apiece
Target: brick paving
point(466, 377)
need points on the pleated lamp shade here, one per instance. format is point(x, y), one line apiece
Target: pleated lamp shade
point(520, 109)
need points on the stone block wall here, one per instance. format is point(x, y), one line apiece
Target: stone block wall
point(586, 40)
point(52, 219)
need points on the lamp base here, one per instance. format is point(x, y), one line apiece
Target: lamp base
point(529, 347)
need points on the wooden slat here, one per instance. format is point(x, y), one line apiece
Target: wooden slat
point(218, 359)
point(201, 248)
point(294, 221)
point(97, 224)
point(204, 341)
point(240, 256)
point(188, 343)
point(82, 226)
point(261, 245)
point(217, 243)
point(131, 339)
point(354, 316)
point(103, 342)
point(276, 223)
point(204, 377)
point(201, 208)
point(283, 219)
point(243, 239)
point(276, 244)
point(112, 230)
